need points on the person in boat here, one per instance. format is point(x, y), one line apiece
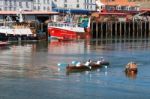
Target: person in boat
point(88, 63)
point(99, 61)
point(78, 64)
point(131, 65)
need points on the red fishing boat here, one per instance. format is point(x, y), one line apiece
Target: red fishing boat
point(67, 31)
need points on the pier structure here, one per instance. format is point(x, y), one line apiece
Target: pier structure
point(120, 30)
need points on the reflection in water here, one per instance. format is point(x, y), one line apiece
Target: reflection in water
point(39, 60)
point(120, 44)
point(131, 74)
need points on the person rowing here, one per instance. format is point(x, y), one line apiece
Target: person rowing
point(78, 64)
point(99, 61)
point(131, 65)
point(88, 63)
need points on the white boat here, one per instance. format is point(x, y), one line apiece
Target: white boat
point(13, 29)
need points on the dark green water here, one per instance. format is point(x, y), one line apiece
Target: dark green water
point(30, 71)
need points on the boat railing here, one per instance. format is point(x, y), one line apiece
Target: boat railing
point(63, 24)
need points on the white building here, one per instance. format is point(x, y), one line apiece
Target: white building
point(13, 5)
point(46, 5)
point(42, 5)
point(75, 4)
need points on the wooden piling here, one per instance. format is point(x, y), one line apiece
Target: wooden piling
point(111, 32)
point(125, 31)
point(145, 29)
point(115, 29)
point(120, 29)
point(92, 29)
point(133, 28)
point(96, 30)
point(101, 30)
point(141, 24)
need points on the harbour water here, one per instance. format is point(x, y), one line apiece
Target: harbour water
point(30, 71)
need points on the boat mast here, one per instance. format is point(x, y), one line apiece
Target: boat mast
point(19, 14)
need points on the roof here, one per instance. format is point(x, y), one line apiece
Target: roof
point(74, 11)
point(28, 12)
point(113, 13)
point(145, 9)
point(121, 3)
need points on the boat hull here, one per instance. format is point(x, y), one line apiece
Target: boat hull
point(134, 70)
point(64, 34)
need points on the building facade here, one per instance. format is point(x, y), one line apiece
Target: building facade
point(36, 5)
point(42, 5)
point(13, 5)
point(129, 3)
point(46, 5)
point(75, 4)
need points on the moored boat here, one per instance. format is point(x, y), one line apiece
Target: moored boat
point(3, 43)
point(16, 30)
point(68, 30)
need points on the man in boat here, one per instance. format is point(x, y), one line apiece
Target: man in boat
point(131, 65)
point(99, 61)
point(78, 64)
point(88, 63)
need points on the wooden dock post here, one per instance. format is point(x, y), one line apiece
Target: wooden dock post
point(133, 28)
point(137, 29)
point(111, 26)
point(115, 28)
point(96, 30)
point(125, 31)
point(141, 28)
point(145, 30)
point(101, 30)
point(92, 29)
point(106, 24)
point(120, 29)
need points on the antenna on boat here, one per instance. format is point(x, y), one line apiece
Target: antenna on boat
point(20, 17)
point(8, 21)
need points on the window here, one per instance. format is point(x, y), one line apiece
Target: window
point(44, 8)
point(65, 1)
point(27, 4)
point(38, 7)
point(65, 5)
point(77, 5)
point(14, 2)
point(20, 4)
